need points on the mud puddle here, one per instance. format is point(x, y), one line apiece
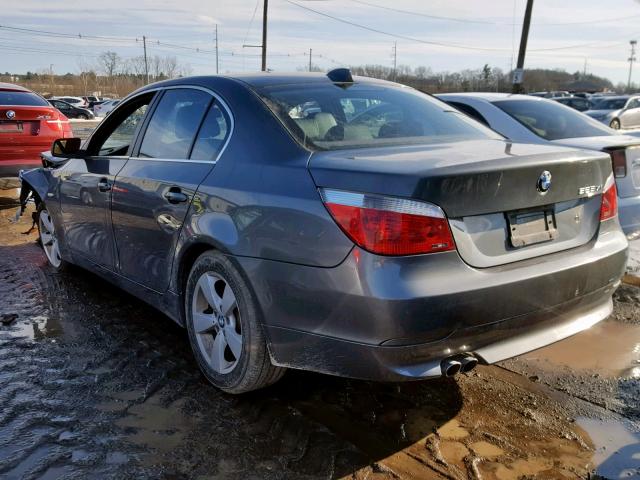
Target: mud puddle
point(610, 349)
point(617, 448)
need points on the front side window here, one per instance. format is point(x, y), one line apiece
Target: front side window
point(174, 124)
point(116, 135)
point(329, 116)
point(552, 121)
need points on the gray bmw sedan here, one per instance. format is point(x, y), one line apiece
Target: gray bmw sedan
point(343, 225)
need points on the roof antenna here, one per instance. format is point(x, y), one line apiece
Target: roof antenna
point(340, 75)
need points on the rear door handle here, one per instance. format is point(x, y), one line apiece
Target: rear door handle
point(176, 196)
point(104, 185)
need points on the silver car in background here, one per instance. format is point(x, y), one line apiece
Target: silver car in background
point(616, 112)
point(529, 119)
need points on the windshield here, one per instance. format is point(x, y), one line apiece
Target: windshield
point(10, 97)
point(608, 103)
point(551, 120)
point(329, 116)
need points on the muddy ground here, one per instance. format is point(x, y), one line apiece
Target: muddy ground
point(96, 384)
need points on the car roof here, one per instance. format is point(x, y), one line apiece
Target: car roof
point(615, 97)
point(265, 79)
point(11, 86)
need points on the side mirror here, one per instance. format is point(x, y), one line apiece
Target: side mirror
point(66, 147)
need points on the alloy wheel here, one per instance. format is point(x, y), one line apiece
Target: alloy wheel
point(48, 238)
point(216, 322)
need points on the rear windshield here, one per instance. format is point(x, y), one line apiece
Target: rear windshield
point(608, 103)
point(331, 117)
point(551, 120)
point(8, 97)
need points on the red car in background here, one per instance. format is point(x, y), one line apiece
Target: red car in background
point(28, 125)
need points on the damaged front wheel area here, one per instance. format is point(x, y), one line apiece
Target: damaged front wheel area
point(48, 239)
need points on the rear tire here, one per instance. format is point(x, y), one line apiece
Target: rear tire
point(83, 117)
point(615, 124)
point(224, 328)
point(48, 239)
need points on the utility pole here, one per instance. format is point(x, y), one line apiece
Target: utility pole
point(518, 73)
point(395, 61)
point(217, 63)
point(264, 35)
point(632, 58)
point(584, 72)
point(310, 54)
point(146, 64)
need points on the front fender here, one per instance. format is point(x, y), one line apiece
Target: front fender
point(35, 182)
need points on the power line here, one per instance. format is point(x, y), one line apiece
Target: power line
point(489, 22)
point(395, 35)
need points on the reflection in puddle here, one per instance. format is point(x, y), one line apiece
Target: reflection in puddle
point(609, 348)
point(617, 453)
point(35, 328)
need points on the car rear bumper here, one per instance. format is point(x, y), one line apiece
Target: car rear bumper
point(488, 343)
point(398, 317)
point(629, 215)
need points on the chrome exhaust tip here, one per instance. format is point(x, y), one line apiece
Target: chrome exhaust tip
point(468, 363)
point(450, 367)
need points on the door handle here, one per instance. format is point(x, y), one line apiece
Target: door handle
point(104, 185)
point(176, 196)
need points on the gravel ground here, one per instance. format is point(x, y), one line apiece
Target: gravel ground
point(95, 384)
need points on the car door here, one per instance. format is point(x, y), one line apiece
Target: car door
point(64, 107)
point(153, 192)
point(630, 113)
point(86, 184)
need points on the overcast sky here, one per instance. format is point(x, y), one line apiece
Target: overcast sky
point(466, 34)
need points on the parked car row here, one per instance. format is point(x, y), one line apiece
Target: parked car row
point(344, 225)
point(97, 106)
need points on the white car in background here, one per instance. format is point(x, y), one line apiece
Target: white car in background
point(75, 101)
point(529, 119)
point(101, 109)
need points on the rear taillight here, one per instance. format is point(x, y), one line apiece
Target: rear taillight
point(389, 225)
point(609, 205)
point(619, 163)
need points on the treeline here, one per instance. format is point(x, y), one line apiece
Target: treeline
point(111, 75)
point(114, 76)
point(488, 79)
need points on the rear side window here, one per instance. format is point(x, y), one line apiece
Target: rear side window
point(329, 116)
point(212, 135)
point(551, 120)
point(174, 124)
point(14, 98)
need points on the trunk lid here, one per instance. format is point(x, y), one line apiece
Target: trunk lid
point(481, 185)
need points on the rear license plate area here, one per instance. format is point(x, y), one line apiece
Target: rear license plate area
point(10, 127)
point(528, 227)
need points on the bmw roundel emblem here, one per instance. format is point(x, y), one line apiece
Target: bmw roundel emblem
point(544, 182)
point(11, 114)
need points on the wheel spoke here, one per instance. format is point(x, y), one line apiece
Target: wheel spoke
point(217, 353)
point(206, 285)
point(234, 340)
point(46, 238)
point(228, 302)
point(46, 221)
point(203, 322)
point(55, 251)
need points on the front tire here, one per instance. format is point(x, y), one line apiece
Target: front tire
point(615, 124)
point(48, 239)
point(224, 329)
